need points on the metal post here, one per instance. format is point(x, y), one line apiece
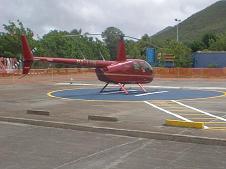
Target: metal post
point(51, 67)
point(178, 20)
point(52, 73)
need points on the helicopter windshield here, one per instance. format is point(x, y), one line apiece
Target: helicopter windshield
point(147, 67)
point(143, 65)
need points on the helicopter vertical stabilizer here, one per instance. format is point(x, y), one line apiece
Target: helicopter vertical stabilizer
point(27, 55)
point(121, 55)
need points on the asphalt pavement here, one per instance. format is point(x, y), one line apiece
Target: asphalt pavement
point(31, 147)
point(109, 147)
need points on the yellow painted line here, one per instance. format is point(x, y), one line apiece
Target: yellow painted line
point(182, 111)
point(194, 118)
point(176, 108)
point(163, 102)
point(179, 123)
point(217, 122)
point(217, 128)
point(193, 114)
point(50, 94)
point(178, 111)
point(163, 105)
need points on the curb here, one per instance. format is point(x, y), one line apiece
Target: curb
point(102, 118)
point(123, 132)
point(38, 112)
point(188, 124)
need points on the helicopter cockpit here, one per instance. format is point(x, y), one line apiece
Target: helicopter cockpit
point(142, 66)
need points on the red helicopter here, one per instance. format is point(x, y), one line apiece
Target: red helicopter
point(120, 71)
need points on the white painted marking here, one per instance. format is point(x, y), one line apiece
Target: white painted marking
point(198, 110)
point(73, 162)
point(144, 94)
point(168, 112)
point(14, 124)
point(114, 92)
point(123, 158)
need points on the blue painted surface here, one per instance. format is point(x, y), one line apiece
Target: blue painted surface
point(206, 59)
point(150, 55)
point(171, 94)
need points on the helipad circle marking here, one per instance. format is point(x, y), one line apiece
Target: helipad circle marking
point(115, 95)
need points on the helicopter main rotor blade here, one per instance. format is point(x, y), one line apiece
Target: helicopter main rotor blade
point(74, 35)
point(95, 34)
point(131, 37)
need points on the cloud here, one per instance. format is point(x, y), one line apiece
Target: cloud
point(133, 17)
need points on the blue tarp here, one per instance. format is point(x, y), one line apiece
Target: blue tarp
point(209, 59)
point(150, 55)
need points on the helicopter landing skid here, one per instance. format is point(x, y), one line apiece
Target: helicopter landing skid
point(102, 90)
point(142, 87)
point(122, 88)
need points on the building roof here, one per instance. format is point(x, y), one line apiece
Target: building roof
point(211, 52)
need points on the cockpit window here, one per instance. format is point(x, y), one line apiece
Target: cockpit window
point(136, 66)
point(147, 67)
point(142, 65)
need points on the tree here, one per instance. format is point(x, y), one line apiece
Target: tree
point(219, 44)
point(111, 36)
point(56, 44)
point(144, 43)
point(10, 43)
point(76, 31)
point(132, 49)
point(197, 46)
point(180, 51)
point(208, 38)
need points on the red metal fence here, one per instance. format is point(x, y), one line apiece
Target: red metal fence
point(190, 72)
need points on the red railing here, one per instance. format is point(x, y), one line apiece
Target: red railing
point(190, 72)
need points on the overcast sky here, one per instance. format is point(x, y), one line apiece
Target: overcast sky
point(133, 17)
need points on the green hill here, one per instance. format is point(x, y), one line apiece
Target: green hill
point(210, 20)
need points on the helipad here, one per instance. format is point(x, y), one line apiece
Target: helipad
point(135, 94)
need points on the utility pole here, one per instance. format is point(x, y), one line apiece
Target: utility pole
point(178, 22)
